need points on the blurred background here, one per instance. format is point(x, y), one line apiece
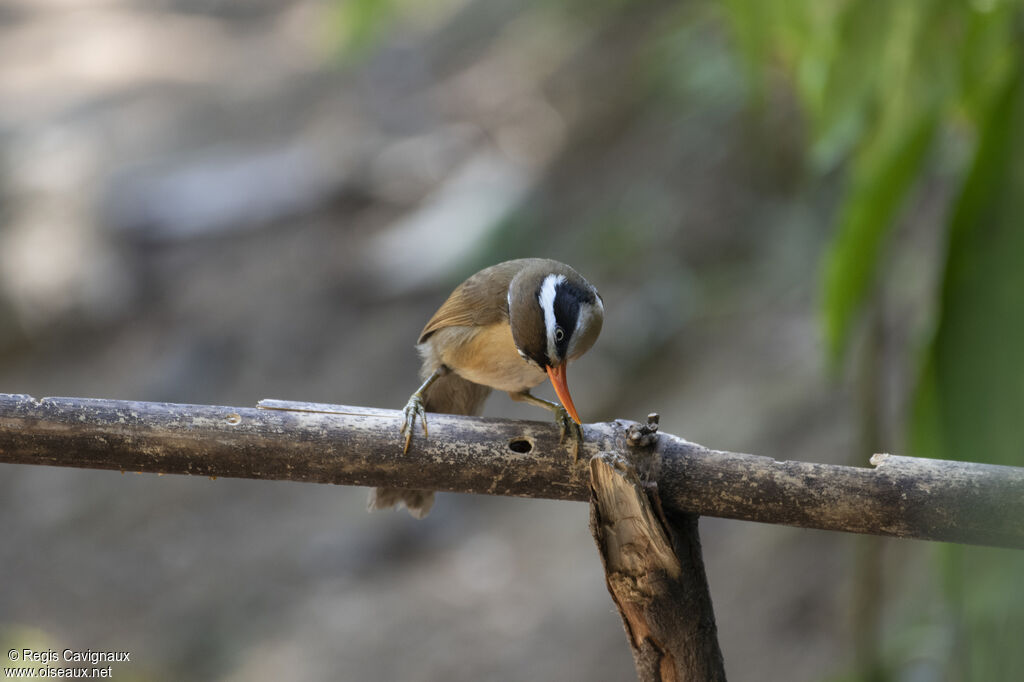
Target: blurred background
point(805, 219)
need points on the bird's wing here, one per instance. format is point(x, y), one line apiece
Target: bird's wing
point(479, 301)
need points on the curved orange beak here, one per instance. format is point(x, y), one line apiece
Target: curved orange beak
point(557, 376)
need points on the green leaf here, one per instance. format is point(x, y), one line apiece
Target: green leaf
point(856, 74)
point(977, 354)
point(880, 183)
point(988, 55)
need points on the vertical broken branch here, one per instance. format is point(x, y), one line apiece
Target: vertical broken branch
point(655, 574)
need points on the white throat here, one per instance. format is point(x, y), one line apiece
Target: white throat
point(588, 313)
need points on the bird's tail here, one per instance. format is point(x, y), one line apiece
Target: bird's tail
point(449, 394)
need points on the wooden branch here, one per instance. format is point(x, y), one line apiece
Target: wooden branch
point(901, 496)
point(656, 576)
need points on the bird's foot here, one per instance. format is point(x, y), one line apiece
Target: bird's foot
point(413, 409)
point(570, 430)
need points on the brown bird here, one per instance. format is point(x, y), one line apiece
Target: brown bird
point(507, 328)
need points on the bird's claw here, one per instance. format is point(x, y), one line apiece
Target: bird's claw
point(570, 429)
point(413, 409)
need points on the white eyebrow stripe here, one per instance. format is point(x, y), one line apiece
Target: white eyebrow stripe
point(547, 303)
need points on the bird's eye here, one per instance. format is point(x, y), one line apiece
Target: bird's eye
point(559, 334)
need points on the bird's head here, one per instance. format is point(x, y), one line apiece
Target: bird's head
point(556, 316)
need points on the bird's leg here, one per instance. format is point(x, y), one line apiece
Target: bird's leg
point(569, 427)
point(414, 408)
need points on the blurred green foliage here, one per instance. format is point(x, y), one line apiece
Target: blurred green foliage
point(973, 385)
point(358, 25)
point(880, 84)
point(889, 89)
point(971, 396)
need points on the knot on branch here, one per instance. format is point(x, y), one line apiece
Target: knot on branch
point(640, 441)
point(643, 435)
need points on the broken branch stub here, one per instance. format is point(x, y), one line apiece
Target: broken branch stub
point(655, 575)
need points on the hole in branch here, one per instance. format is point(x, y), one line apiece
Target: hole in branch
point(520, 445)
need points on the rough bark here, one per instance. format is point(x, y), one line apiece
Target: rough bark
point(655, 574)
point(900, 496)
